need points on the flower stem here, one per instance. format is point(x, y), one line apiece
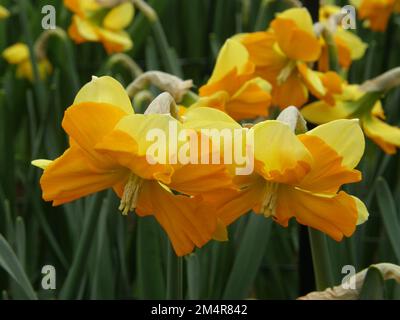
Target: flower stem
point(174, 275)
point(167, 56)
point(321, 259)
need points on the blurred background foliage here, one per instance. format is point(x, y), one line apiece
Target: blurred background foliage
point(97, 252)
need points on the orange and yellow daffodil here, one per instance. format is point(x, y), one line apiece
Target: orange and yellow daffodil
point(350, 104)
point(282, 54)
point(108, 149)
point(376, 13)
point(299, 176)
point(4, 13)
point(233, 87)
point(349, 46)
point(95, 23)
point(18, 54)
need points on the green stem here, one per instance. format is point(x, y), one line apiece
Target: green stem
point(170, 63)
point(332, 50)
point(174, 276)
point(321, 259)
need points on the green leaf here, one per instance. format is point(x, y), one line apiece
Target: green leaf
point(150, 276)
point(389, 215)
point(9, 262)
point(248, 258)
point(374, 286)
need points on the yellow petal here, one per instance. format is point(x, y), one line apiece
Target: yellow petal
point(85, 29)
point(16, 53)
point(115, 41)
point(216, 100)
point(207, 118)
point(325, 11)
point(119, 17)
point(300, 16)
point(312, 80)
point(279, 154)
point(353, 42)
point(362, 211)
point(383, 134)
point(345, 137)
point(105, 90)
point(41, 163)
point(321, 112)
point(232, 55)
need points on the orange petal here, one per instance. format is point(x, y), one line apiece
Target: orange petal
point(295, 42)
point(87, 123)
point(250, 101)
point(189, 222)
point(336, 216)
point(196, 179)
point(327, 172)
point(71, 177)
point(279, 154)
point(290, 93)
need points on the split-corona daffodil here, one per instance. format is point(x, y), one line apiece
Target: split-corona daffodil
point(299, 176)
point(233, 87)
point(108, 150)
point(95, 23)
point(351, 104)
point(349, 46)
point(18, 54)
point(282, 54)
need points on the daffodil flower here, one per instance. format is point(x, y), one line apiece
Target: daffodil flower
point(233, 87)
point(299, 176)
point(4, 13)
point(349, 46)
point(351, 104)
point(282, 54)
point(376, 13)
point(18, 54)
point(95, 23)
point(108, 149)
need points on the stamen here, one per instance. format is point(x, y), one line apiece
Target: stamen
point(269, 203)
point(131, 194)
point(286, 72)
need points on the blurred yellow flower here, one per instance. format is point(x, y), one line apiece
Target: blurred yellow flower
point(18, 54)
point(282, 54)
point(350, 104)
point(4, 13)
point(376, 13)
point(349, 46)
point(92, 22)
point(108, 149)
point(298, 176)
point(233, 87)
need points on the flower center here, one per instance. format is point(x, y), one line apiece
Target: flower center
point(268, 205)
point(131, 194)
point(285, 72)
